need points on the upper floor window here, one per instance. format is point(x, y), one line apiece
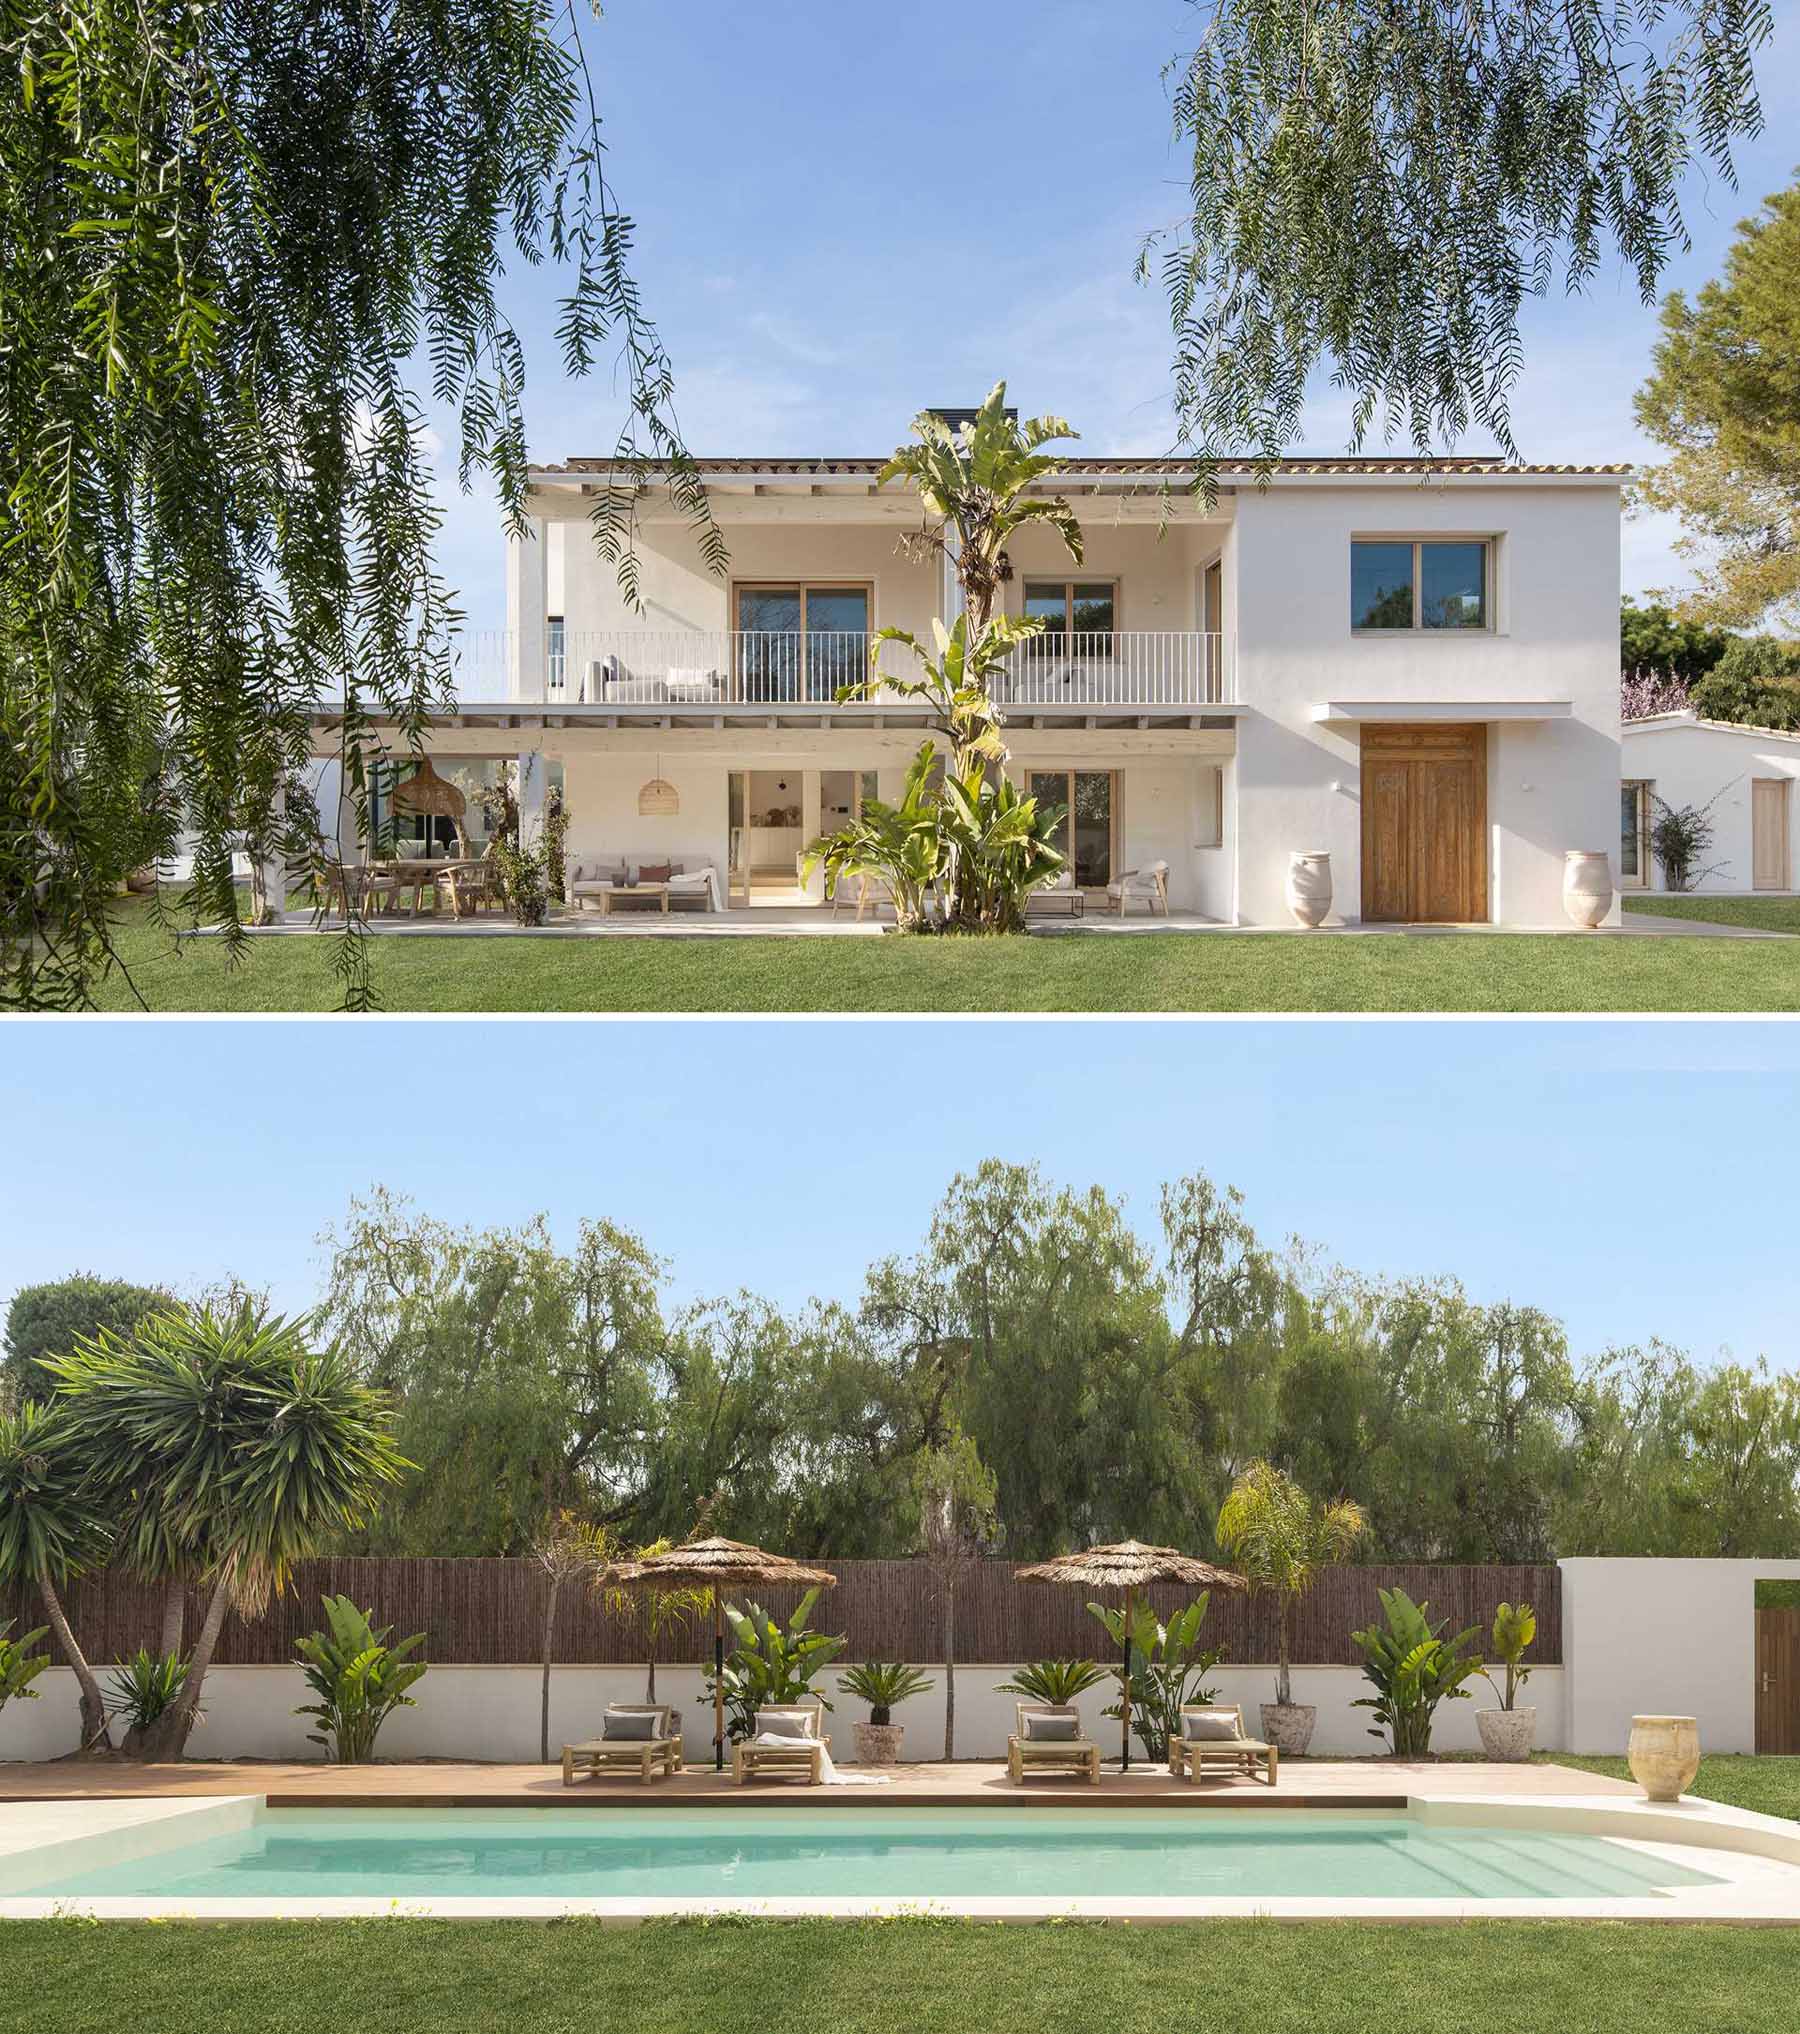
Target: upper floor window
point(555, 651)
point(801, 642)
point(1419, 583)
point(1073, 607)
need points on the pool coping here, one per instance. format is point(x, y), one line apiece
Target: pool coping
point(1757, 1857)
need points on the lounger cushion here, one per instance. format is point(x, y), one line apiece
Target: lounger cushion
point(772, 1723)
point(1053, 1729)
point(1205, 1729)
point(620, 1724)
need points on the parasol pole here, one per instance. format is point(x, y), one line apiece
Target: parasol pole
point(1125, 1706)
point(718, 1681)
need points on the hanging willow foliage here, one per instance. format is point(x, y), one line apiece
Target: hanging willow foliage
point(235, 237)
point(1382, 185)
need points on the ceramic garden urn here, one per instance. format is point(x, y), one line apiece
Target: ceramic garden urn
point(1309, 887)
point(1506, 1734)
point(1587, 886)
point(877, 1744)
point(1288, 1726)
point(1664, 1752)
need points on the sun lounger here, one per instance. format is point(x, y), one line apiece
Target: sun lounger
point(624, 1747)
point(1043, 1744)
point(799, 1755)
point(1220, 1742)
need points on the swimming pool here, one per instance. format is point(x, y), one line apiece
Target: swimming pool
point(407, 1856)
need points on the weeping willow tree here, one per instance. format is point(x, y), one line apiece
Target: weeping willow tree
point(1381, 187)
point(237, 239)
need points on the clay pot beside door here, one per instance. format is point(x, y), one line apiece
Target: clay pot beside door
point(1587, 887)
point(1309, 887)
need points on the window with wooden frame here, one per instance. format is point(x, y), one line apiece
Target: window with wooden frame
point(1090, 822)
point(1079, 615)
point(1402, 584)
point(1634, 833)
point(802, 640)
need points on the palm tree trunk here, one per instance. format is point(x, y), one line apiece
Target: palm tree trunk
point(174, 1618)
point(93, 1703)
point(950, 1668)
point(1284, 1692)
point(164, 1741)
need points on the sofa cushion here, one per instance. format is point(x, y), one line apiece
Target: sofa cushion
point(1205, 1726)
point(1052, 1729)
point(621, 1723)
point(784, 1723)
point(655, 872)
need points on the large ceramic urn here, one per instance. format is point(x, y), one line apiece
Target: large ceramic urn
point(1309, 886)
point(1664, 1752)
point(1587, 887)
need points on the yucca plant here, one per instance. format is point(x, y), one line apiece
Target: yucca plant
point(1057, 1682)
point(1413, 1668)
point(772, 1663)
point(143, 1688)
point(883, 1685)
point(1168, 1668)
point(359, 1678)
point(20, 1663)
point(226, 1444)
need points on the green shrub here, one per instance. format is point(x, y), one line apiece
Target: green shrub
point(1168, 1671)
point(359, 1678)
point(144, 1686)
point(1057, 1682)
point(883, 1685)
point(20, 1663)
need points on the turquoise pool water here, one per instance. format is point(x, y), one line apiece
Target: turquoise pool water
point(910, 1854)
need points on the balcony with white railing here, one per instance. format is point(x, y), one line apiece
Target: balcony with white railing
point(635, 668)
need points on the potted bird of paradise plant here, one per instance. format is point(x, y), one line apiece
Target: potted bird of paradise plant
point(1507, 1732)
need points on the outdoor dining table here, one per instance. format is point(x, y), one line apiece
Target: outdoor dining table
point(417, 874)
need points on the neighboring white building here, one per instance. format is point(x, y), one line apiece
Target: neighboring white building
point(1744, 775)
point(1411, 664)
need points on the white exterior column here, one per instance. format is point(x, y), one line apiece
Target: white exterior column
point(953, 597)
point(812, 800)
point(269, 873)
point(527, 604)
point(532, 780)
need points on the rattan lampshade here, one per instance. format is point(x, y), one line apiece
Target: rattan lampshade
point(659, 799)
point(427, 794)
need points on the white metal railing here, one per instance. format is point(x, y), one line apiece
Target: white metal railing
point(764, 667)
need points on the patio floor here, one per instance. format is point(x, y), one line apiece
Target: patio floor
point(1304, 1783)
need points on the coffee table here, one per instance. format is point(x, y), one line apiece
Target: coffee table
point(608, 897)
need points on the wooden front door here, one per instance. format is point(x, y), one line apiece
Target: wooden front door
point(1424, 825)
point(1769, 833)
point(1778, 1682)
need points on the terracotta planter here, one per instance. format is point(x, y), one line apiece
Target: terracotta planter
point(1587, 887)
point(1288, 1726)
point(1665, 1755)
point(1506, 1734)
point(877, 1744)
point(1309, 887)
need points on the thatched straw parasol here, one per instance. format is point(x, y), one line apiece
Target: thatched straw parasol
point(718, 1565)
point(1129, 1566)
point(429, 795)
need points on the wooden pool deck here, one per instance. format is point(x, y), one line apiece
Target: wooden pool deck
point(1303, 1784)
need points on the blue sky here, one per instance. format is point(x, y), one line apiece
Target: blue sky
point(1635, 1178)
point(827, 249)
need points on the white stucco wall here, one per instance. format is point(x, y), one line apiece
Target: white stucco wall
point(1556, 591)
point(1690, 762)
point(1659, 1637)
point(491, 1713)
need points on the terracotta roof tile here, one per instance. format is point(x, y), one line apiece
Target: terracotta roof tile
point(847, 468)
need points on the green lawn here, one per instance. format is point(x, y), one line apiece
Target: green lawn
point(1764, 914)
point(1164, 972)
point(896, 1978)
point(1770, 1786)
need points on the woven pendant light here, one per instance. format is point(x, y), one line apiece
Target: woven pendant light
point(658, 799)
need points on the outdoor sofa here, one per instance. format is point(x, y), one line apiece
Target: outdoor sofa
point(1213, 1735)
point(607, 878)
point(634, 1738)
point(1049, 1739)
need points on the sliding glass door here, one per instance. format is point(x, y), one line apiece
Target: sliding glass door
point(1088, 820)
point(800, 642)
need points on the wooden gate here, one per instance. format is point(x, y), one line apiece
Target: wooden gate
point(1424, 824)
point(1768, 833)
point(1778, 1682)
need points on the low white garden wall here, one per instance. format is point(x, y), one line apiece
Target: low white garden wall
point(492, 1712)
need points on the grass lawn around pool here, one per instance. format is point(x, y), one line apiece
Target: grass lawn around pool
point(1760, 914)
point(1156, 972)
point(1769, 1786)
point(902, 1977)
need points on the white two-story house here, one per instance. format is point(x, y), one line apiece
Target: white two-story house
point(1409, 665)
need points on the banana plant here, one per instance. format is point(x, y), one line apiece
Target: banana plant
point(359, 1678)
point(20, 1663)
point(1168, 1668)
point(1515, 1626)
point(1413, 1668)
point(898, 844)
point(772, 1663)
